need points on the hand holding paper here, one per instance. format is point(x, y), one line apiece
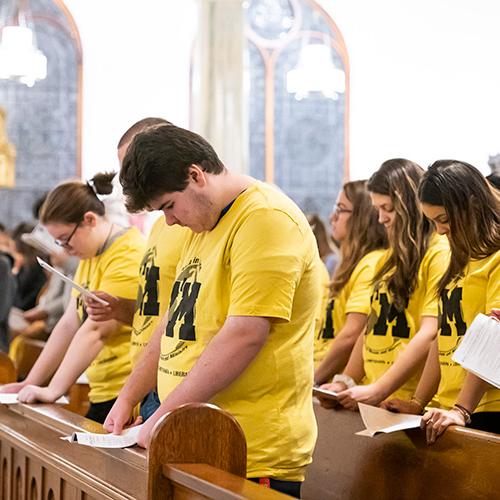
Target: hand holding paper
point(60, 275)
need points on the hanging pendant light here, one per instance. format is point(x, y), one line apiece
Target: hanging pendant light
point(20, 59)
point(315, 72)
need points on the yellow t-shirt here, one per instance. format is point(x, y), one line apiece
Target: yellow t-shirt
point(389, 330)
point(115, 272)
point(261, 259)
point(478, 291)
point(156, 277)
point(323, 331)
point(353, 298)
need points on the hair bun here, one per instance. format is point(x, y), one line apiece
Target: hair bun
point(102, 183)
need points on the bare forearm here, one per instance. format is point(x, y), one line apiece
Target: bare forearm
point(431, 376)
point(52, 354)
point(472, 392)
point(355, 366)
point(125, 311)
point(336, 358)
point(409, 359)
point(84, 348)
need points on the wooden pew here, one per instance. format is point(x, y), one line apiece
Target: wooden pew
point(8, 371)
point(462, 464)
point(27, 353)
point(197, 451)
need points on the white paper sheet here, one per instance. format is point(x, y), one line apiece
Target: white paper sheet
point(380, 420)
point(60, 275)
point(479, 351)
point(127, 438)
point(11, 399)
point(324, 392)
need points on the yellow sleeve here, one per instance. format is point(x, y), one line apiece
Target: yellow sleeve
point(362, 286)
point(493, 287)
point(432, 274)
point(266, 261)
point(120, 276)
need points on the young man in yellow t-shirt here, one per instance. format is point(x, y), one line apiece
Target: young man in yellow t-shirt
point(239, 332)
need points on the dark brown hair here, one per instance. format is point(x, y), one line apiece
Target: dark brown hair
point(364, 233)
point(158, 161)
point(68, 202)
point(409, 237)
point(473, 210)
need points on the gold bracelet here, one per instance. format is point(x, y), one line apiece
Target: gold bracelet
point(418, 402)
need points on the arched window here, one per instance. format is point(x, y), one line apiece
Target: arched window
point(44, 121)
point(298, 142)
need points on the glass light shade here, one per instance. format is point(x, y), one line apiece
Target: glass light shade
point(315, 72)
point(19, 59)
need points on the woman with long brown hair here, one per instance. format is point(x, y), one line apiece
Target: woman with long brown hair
point(403, 299)
point(461, 204)
point(362, 240)
point(74, 215)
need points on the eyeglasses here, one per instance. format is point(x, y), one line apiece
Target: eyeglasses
point(339, 210)
point(65, 243)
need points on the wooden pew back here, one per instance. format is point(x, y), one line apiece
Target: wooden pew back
point(462, 464)
point(35, 463)
point(8, 371)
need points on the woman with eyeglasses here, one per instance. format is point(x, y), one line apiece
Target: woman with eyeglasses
point(110, 255)
point(461, 204)
point(362, 240)
point(404, 303)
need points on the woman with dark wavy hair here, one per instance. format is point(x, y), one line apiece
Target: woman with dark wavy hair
point(362, 240)
point(403, 300)
point(464, 207)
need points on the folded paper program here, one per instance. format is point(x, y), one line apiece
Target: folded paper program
point(124, 440)
point(380, 420)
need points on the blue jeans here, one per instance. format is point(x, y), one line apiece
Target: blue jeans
point(149, 405)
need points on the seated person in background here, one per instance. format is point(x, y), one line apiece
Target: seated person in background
point(239, 331)
point(404, 304)
point(7, 295)
point(362, 240)
point(325, 247)
point(30, 278)
point(110, 255)
point(156, 278)
point(458, 200)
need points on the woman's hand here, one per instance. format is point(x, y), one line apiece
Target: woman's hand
point(101, 312)
point(36, 394)
point(329, 403)
point(436, 421)
point(368, 394)
point(495, 313)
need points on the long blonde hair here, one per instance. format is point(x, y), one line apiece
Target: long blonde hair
point(364, 234)
point(409, 236)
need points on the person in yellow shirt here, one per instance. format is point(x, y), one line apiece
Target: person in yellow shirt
point(239, 331)
point(461, 204)
point(403, 301)
point(362, 239)
point(156, 278)
point(75, 216)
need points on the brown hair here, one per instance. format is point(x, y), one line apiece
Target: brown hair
point(364, 233)
point(409, 237)
point(319, 231)
point(473, 210)
point(158, 161)
point(68, 202)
